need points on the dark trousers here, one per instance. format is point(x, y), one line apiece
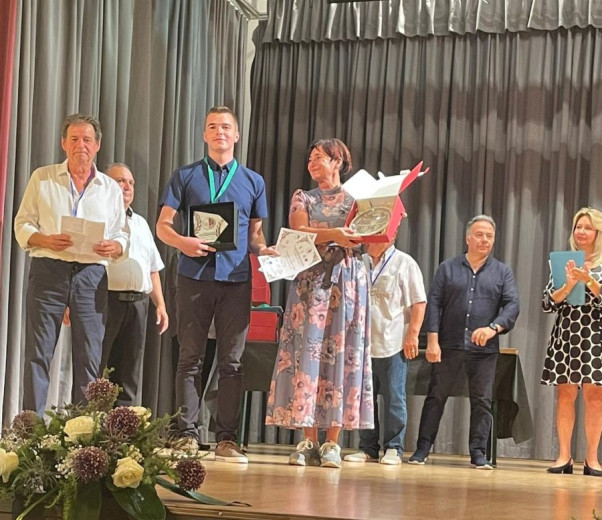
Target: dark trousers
point(198, 302)
point(123, 345)
point(202, 379)
point(54, 285)
point(480, 370)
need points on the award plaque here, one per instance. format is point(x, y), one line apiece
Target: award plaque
point(371, 221)
point(208, 226)
point(216, 223)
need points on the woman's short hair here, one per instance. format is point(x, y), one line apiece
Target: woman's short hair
point(595, 217)
point(81, 119)
point(335, 149)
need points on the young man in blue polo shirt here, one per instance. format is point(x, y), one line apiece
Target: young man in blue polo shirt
point(214, 285)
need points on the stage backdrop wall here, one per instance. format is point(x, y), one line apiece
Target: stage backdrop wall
point(502, 100)
point(150, 70)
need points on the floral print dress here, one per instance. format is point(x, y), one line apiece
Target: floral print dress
point(323, 373)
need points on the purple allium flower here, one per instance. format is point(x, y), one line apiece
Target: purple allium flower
point(191, 474)
point(122, 422)
point(90, 464)
point(102, 394)
point(25, 422)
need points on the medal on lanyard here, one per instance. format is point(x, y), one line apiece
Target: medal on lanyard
point(215, 196)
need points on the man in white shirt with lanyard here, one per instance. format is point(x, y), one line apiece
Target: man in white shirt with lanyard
point(131, 281)
point(397, 307)
point(60, 277)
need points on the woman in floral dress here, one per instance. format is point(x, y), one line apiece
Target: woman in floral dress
point(323, 376)
point(574, 355)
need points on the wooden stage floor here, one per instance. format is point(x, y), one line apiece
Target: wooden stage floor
point(445, 488)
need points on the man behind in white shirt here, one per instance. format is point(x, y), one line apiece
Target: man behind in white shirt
point(131, 281)
point(397, 306)
point(60, 276)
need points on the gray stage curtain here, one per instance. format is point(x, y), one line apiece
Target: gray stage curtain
point(319, 20)
point(150, 70)
point(510, 124)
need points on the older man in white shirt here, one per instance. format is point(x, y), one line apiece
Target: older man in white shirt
point(61, 275)
point(131, 282)
point(397, 307)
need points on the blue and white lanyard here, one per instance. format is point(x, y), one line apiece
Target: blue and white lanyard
point(76, 199)
point(384, 264)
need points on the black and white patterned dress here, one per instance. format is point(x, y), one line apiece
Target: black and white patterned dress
point(574, 352)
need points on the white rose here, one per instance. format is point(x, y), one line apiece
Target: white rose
point(9, 462)
point(79, 429)
point(128, 473)
point(142, 412)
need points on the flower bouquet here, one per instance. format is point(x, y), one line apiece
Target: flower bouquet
point(85, 454)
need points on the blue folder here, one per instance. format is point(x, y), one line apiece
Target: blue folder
point(558, 261)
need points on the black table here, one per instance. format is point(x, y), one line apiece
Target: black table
point(511, 411)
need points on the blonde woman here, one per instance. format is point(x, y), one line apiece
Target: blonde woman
point(574, 355)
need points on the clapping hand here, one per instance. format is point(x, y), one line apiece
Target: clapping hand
point(576, 274)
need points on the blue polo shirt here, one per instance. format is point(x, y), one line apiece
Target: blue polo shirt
point(460, 301)
point(189, 186)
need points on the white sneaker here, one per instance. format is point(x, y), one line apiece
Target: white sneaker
point(360, 456)
point(330, 455)
point(184, 447)
point(307, 454)
point(391, 457)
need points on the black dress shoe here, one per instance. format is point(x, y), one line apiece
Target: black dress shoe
point(204, 447)
point(567, 468)
point(591, 471)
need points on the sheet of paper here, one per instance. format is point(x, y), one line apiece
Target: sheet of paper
point(84, 234)
point(297, 252)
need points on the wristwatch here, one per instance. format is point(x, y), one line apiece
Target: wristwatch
point(494, 327)
point(589, 284)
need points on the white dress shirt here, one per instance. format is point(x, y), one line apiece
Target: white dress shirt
point(396, 285)
point(141, 259)
point(50, 195)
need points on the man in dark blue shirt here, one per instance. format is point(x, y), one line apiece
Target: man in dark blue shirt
point(214, 285)
point(472, 300)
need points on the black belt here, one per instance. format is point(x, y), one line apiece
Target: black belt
point(128, 296)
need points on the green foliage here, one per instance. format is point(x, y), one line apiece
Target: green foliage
point(142, 502)
point(594, 516)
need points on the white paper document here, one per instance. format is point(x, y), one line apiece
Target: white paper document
point(297, 252)
point(84, 235)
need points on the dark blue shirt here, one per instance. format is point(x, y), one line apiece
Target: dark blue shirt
point(189, 186)
point(461, 301)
